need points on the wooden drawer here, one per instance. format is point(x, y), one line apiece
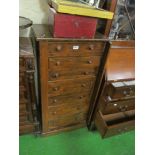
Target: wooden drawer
point(27, 128)
point(62, 100)
point(66, 49)
point(62, 110)
point(121, 89)
point(109, 125)
point(73, 63)
point(68, 74)
point(107, 107)
point(67, 120)
point(72, 86)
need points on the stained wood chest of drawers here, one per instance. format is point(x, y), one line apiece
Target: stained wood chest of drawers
point(67, 70)
point(27, 101)
point(113, 109)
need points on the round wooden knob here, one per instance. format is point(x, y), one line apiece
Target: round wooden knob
point(91, 47)
point(125, 92)
point(58, 63)
point(56, 75)
point(86, 73)
point(58, 47)
point(83, 85)
point(80, 97)
point(54, 100)
point(55, 89)
point(54, 112)
point(89, 61)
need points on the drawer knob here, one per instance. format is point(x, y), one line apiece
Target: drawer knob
point(83, 85)
point(56, 75)
point(58, 63)
point(89, 61)
point(58, 47)
point(91, 47)
point(54, 112)
point(86, 73)
point(115, 104)
point(55, 89)
point(54, 100)
point(122, 109)
point(125, 92)
point(80, 97)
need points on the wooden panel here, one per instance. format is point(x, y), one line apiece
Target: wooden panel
point(66, 121)
point(120, 64)
point(67, 49)
point(27, 128)
point(76, 98)
point(72, 63)
point(44, 84)
point(57, 111)
point(67, 87)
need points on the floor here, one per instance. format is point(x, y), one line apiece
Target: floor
point(77, 142)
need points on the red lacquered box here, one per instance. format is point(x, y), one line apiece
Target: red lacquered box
point(71, 26)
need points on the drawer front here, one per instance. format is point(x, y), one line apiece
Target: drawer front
point(67, 87)
point(65, 49)
point(62, 100)
point(114, 124)
point(66, 121)
point(58, 111)
point(27, 128)
point(118, 106)
point(115, 92)
point(76, 73)
point(73, 63)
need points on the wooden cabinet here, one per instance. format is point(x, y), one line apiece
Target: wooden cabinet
point(112, 111)
point(27, 101)
point(67, 70)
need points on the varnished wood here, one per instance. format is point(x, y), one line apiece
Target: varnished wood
point(111, 7)
point(26, 86)
point(120, 64)
point(67, 69)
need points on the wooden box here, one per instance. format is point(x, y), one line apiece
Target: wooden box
point(71, 26)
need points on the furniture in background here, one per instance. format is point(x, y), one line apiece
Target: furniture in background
point(112, 109)
point(27, 98)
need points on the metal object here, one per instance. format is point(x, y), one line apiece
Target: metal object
point(24, 22)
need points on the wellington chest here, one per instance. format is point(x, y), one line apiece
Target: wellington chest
point(67, 70)
point(27, 100)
